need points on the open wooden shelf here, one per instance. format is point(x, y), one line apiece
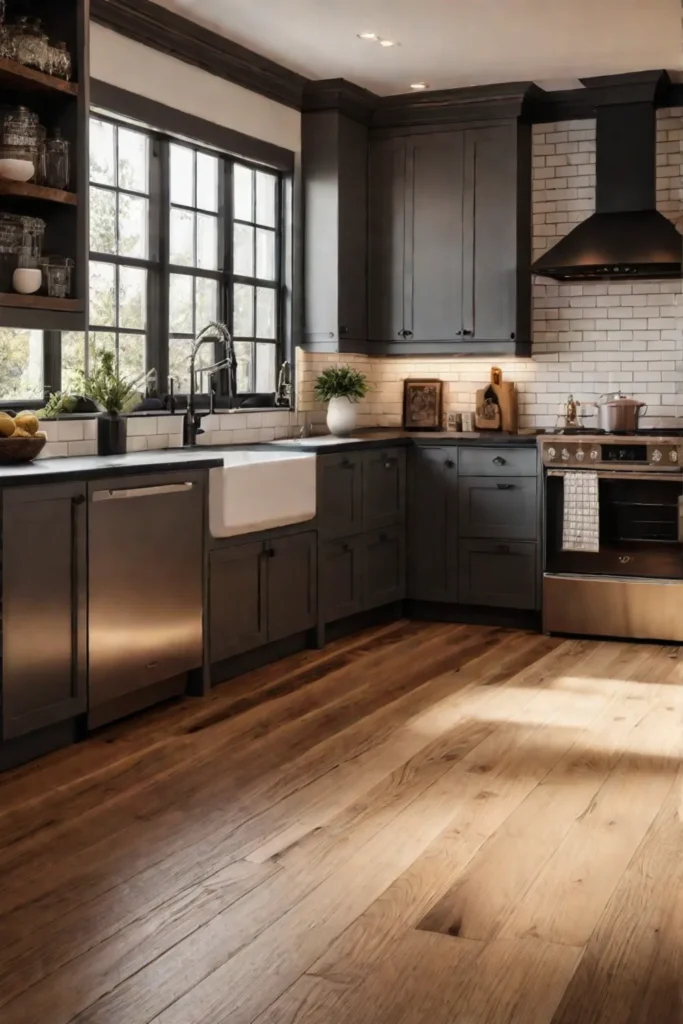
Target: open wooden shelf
point(18, 76)
point(16, 301)
point(31, 191)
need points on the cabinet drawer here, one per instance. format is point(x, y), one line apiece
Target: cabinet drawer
point(340, 495)
point(503, 461)
point(384, 567)
point(498, 575)
point(384, 487)
point(504, 509)
point(341, 578)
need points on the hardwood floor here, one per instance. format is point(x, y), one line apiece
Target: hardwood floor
point(422, 823)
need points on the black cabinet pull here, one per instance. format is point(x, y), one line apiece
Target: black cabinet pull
point(270, 553)
point(343, 330)
point(458, 334)
point(512, 336)
point(498, 461)
point(407, 334)
point(450, 464)
point(79, 499)
point(468, 334)
point(401, 334)
point(505, 487)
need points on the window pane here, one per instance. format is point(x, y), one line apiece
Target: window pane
point(244, 351)
point(132, 297)
point(207, 242)
point(21, 364)
point(99, 341)
point(102, 294)
point(182, 238)
point(133, 161)
point(207, 182)
point(133, 222)
point(132, 356)
point(102, 158)
point(180, 304)
point(207, 302)
point(179, 351)
point(265, 254)
point(265, 312)
point(265, 199)
point(244, 311)
point(182, 175)
point(243, 250)
point(244, 192)
point(73, 355)
point(265, 368)
point(102, 221)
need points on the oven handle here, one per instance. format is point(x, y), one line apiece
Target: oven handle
point(608, 475)
point(680, 519)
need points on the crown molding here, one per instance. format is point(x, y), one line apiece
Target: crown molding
point(449, 106)
point(178, 37)
point(338, 94)
point(652, 87)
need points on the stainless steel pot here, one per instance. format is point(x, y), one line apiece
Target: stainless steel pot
point(619, 413)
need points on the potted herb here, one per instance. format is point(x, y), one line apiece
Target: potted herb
point(114, 396)
point(341, 387)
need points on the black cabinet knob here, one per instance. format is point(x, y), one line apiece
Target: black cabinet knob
point(468, 334)
point(408, 334)
point(512, 336)
point(498, 461)
point(450, 464)
point(458, 334)
point(401, 334)
point(271, 552)
point(343, 330)
point(505, 487)
point(79, 499)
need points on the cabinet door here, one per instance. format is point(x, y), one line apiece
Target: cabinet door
point(490, 233)
point(44, 607)
point(503, 509)
point(434, 268)
point(341, 578)
point(498, 575)
point(385, 567)
point(432, 524)
point(386, 240)
point(237, 600)
point(292, 585)
point(384, 488)
point(352, 278)
point(340, 495)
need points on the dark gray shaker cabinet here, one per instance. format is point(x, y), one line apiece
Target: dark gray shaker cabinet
point(342, 577)
point(384, 487)
point(496, 574)
point(335, 199)
point(237, 600)
point(340, 495)
point(503, 508)
point(432, 523)
point(44, 607)
point(385, 567)
point(291, 588)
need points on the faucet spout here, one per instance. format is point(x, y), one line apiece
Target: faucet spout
point(214, 331)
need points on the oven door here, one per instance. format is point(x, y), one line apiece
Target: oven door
point(641, 527)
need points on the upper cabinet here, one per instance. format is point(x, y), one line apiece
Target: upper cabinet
point(55, 103)
point(449, 241)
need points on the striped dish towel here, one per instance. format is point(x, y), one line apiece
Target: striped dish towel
point(581, 524)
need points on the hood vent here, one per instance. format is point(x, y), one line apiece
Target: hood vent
point(626, 236)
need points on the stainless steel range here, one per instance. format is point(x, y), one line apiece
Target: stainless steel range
point(631, 583)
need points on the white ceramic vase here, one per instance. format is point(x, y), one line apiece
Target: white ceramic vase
point(341, 417)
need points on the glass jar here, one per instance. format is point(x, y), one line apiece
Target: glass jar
point(6, 47)
point(21, 127)
point(33, 233)
point(57, 163)
point(30, 44)
point(60, 61)
point(59, 277)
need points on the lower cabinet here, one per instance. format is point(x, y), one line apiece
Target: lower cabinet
point(503, 509)
point(362, 572)
point(384, 567)
point(433, 523)
point(261, 592)
point(498, 574)
point(44, 612)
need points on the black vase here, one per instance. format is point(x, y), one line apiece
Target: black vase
point(111, 434)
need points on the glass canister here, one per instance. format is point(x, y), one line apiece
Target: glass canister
point(6, 47)
point(11, 237)
point(60, 61)
point(30, 44)
point(33, 233)
point(21, 127)
point(57, 163)
point(59, 277)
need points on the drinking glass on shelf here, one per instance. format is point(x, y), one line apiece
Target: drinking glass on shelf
point(57, 164)
point(60, 61)
point(59, 277)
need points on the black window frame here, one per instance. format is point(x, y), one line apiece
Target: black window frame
point(130, 111)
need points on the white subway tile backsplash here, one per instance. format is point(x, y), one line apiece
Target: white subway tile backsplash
point(70, 430)
point(141, 426)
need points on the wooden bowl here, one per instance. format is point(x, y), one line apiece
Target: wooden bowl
point(20, 449)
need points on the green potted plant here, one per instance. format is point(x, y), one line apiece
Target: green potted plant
point(342, 388)
point(114, 396)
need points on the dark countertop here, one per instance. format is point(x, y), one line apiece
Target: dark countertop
point(365, 439)
point(92, 467)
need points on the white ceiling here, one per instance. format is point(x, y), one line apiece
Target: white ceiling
point(450, 43)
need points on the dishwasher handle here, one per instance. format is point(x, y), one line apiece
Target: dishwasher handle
point(141, 492)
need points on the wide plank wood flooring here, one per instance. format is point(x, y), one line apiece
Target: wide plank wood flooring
point(423, 823)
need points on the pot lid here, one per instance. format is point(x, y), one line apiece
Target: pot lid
point(620, 400)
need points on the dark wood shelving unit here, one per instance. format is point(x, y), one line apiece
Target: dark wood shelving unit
point(65, 106)
point(17, 76)
point(28, 190)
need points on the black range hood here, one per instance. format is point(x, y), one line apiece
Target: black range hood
point(626, 237)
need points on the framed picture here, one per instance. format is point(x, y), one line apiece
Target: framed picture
point(422, 404)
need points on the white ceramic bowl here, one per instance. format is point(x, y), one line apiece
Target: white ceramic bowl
point(16, 170)
point(26, 280)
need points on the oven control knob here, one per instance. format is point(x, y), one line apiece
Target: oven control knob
point(595, 454)
point(551, 453)
point(673, 455)
point(565, 455)
point(580, 455)
point(656, 455)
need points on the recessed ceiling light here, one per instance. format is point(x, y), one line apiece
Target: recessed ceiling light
point(419, 85)
point(370, 36)
point(388, 42)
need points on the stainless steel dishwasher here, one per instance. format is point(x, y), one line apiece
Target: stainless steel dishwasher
point(146, 555)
